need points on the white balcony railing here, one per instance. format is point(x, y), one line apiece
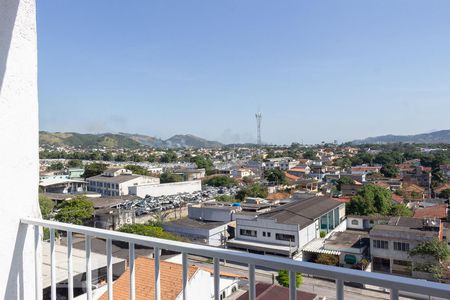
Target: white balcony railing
point(340, 275)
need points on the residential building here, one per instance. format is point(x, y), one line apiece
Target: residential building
point(63, 186)
point(209, 233)
point(191, 174)
point(299, 171)
point(242, 172)
point(214, 212)
point(287, 229)
point(155, 189)
point(116, 182)
point(390, 245)
point(349, 246)
point(364, 169)
point(200, 283)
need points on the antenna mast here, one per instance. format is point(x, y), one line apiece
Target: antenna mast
point(258, 128)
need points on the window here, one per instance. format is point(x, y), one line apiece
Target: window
point(355, 222)
point(264, 233)
point(398, 246)
point(380, 244)
point(284, 237)
point(247, 232)
point(268, 234)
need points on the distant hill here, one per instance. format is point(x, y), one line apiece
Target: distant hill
point(437, 137)
point(122, 140)
point(189, 140)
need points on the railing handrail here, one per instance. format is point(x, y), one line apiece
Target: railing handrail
point(277, 263)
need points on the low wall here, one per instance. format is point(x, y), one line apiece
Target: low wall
point(165, 189)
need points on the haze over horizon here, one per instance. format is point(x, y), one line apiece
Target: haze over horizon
point(318, 71)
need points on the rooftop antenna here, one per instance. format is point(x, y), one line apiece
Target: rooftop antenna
point(258, 116)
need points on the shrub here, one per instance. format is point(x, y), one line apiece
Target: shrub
point(283, 278)
point(327, 259)
point(322, 234)
point(149, 230)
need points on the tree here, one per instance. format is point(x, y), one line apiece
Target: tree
point(148, 230)
point(75, 211)
point(46, 205)
point(400, 210)
point(56, 166)
point(389, 170)
point(168, 157)
point(283, 278)
point(121, 157)
point(344, 180)
point(327, 259)
point(169, 177)
point(75, 163)
point(221, 181)
point(94, 169)
point(203, 162)
point(435, 248)
point(370, 199)
point(309, 154)
point(254, 190)
point(445, 194)
point(276, 176)
point(137, 170)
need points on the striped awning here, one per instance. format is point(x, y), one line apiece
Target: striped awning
point(316, 246)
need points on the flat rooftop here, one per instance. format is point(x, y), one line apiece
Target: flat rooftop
point(347, 239)
point(114, 179)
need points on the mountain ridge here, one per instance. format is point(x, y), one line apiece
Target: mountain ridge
point(436, 137)
point(123, 140)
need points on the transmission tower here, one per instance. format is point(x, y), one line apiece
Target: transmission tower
point(258, 128)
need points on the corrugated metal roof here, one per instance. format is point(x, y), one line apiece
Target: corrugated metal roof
point(316, 246)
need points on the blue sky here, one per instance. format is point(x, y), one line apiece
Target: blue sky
point(317, 70)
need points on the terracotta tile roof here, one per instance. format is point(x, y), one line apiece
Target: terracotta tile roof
point(397, 198)
point(171, 280)
point(291, 177)
point(343, 199)
point(437, 211)
point(267, 291)
point(442, 187)
point(413, 188)
point(278, 196)
point(382, 184)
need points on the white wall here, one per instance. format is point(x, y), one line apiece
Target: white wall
point(19, 149)
point(174, 188)
point(198, 286)
point(267, 225)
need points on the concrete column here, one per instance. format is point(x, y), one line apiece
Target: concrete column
point(19, 161)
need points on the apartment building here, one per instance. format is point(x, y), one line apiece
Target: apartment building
point(116, 181)
point(285, 230)
point(390, 244)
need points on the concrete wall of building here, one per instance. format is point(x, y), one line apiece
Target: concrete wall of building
point(308, 234)
point(166, 189)
point(210, 214)
point(261, 225)
point(212, 236)
point(355, 223)
point(198, 286)
point(19, 151)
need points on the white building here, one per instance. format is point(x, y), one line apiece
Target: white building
point(165, 189)
point(116, 181)
point(287, 229)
